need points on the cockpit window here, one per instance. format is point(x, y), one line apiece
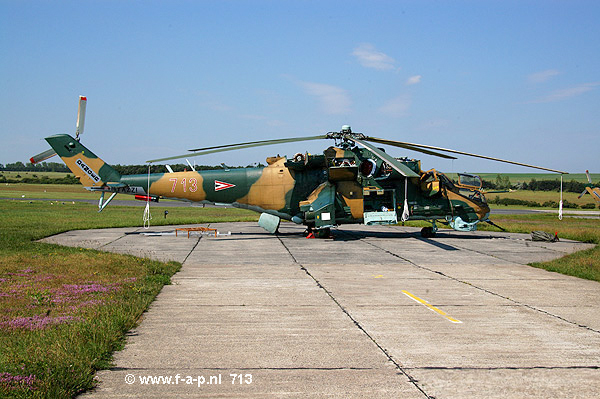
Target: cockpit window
point(473, 195)
point(469, 180)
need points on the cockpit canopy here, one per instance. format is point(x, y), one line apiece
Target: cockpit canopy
point(469, 180)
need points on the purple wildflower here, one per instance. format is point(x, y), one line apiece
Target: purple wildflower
point(12, 294)
point(46, 277)
point(18, 381)
point(37, 322)
point(71, 292)
point(84, 304)
point(23, 273)
point(87, 288)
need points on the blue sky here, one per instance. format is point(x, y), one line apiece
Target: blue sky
point(518, 80)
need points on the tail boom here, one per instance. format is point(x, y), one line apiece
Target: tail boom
point(85, 165)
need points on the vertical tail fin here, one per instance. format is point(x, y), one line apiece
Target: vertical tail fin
point(85, 165)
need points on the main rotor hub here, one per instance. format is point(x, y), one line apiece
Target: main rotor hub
point(345, 136)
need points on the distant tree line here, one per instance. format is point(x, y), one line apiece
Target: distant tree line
point(503, 183)
point(38, 167)
point(70, 179)
point(122, 169)
point(35, 179)
point(534, 204)
point(143, 169)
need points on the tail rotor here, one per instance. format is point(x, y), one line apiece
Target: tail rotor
point(79, 131)
point(587, 173)
point(80, 117)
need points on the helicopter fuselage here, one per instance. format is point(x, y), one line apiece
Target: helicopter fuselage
point(340, 186)
point(343, 185)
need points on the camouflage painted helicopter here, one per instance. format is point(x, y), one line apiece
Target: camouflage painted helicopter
point(353, 181)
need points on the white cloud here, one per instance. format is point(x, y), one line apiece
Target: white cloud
point(396, 107)
point(413, 80)
point(333, 99)
point(369, 57)
point(563, 94)
point(542, 76)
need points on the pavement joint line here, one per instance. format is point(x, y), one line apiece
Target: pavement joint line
point(506, 368)
point(357, 324)
point(484, 289)
point(507, 260)
point(527, 242)
point(192, 250)
point(245, 368)
point(118, 238)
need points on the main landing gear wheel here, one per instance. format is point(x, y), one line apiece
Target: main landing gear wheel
point(427, 232)
point(323, 233)
point(311, 232)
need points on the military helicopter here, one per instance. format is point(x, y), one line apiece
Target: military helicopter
point(352, 181)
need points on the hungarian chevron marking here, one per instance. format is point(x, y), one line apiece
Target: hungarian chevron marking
point(221, 185)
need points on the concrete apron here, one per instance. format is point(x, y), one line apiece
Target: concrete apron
point(378, 312)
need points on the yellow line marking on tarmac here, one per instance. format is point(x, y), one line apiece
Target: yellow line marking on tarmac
point(423, 302)
point(378, 276)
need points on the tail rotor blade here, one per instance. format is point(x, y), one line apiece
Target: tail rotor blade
point(42, 156)
point(80, 116)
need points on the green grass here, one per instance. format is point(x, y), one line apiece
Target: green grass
point(54, 191)
point(64, 311)
point(527, 177)
point(50, 191)
point(542, 196)
point(89, 299)
point(582, 264)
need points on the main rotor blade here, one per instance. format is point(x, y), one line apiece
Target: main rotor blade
point(468, 154)
point(398, 166)
point(238, 146)
point(408, 147)
point(263, 142)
